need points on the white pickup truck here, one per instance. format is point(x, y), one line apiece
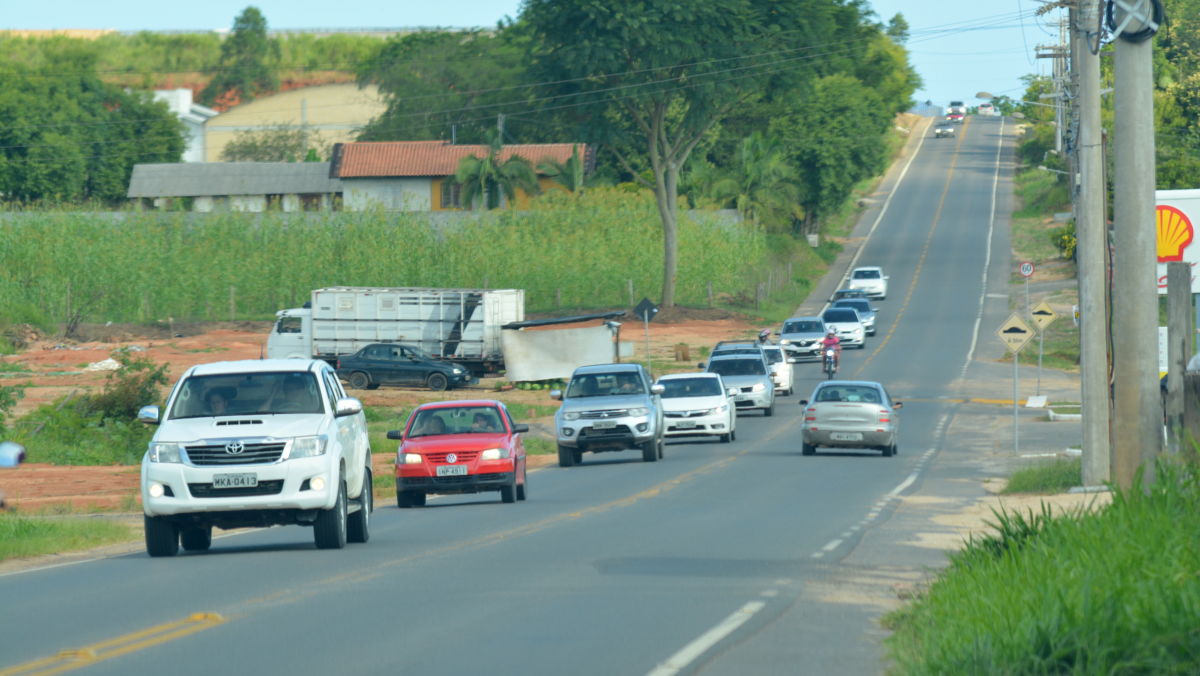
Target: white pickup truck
point(256, 443)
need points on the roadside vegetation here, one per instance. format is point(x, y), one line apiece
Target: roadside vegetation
point(1105, 592)
point(23, 536)
point(1056, 476)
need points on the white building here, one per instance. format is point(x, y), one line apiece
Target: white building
point(194, 115)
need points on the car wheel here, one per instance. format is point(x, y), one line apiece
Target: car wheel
point(566, 456)
point(662, 447)
point(437, 382)
point(162, 536)
point(508, 494)
point(733, 435)
point(406, 499)
point(770, 410)
point(359, 527)
point(650, 451)
point(577, 455)
point(329, 530)
point(807, 449)
point(887, 451)
point(360, 380)
point(522, 488)
point(196, 538)
point(726, 438)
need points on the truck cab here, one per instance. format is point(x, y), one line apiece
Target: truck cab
point(291, 337)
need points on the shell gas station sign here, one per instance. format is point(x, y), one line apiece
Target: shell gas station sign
point(1177, 215)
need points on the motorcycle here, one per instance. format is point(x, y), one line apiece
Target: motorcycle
point(11, 455)
point(830, 362)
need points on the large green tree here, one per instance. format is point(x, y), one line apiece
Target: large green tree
point(68, 136)
point(649, 81)
point(245, 69)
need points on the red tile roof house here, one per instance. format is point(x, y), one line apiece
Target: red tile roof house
point(412, 175)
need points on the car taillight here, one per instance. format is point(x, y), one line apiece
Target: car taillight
point(883, 416)
point(337, 364)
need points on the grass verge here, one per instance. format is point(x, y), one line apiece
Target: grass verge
point(1046, 477)
point(22, 536)
point(1111, 591)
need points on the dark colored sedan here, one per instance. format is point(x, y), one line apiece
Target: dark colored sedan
point(394, 364)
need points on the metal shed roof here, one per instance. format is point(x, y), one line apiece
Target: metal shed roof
point(216, 179)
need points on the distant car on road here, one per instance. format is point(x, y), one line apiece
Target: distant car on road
point(870, 280)
point(985, 109)
point(846, 322)
point(751, 376)
point(850, 414)
point(866, 312)
point(942, 129)
point(459, 447)
point(801, 337)
point(847, 293)
point(698, 404)
point(781, 369)
point(397, 364)
point(955, 118)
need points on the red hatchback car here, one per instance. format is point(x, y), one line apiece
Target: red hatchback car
point(459, 447)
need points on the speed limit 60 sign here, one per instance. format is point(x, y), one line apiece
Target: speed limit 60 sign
point(1026, 269)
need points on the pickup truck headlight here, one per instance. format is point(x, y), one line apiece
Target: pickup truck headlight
point(308, 447)
point(639, 411)
point(412, 458)
point(571, 415)
point(494, 454)
point(759, 387)
point(165, 452)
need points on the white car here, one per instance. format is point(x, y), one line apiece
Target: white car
point(781, 369)
point(698, 404)
point(260, 442)
point(870, 280)
point(847, 324)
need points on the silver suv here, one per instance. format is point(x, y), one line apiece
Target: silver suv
point(609, 407)
point(801, 337)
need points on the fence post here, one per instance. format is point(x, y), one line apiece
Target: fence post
point(558, 297)
point(232, 303)
point(710, 293)
point(1191, 414)
point(629, 284)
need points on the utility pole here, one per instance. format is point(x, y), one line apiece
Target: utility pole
point(1179, 347)
point(1138, 413)
point(1059, 54)
point(1091, 251)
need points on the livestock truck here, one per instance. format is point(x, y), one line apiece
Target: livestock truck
point(459, 325)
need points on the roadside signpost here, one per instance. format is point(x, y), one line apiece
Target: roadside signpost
point(1043, 315)
point(646, 311)
point(1026, 270)
point(1015, 334)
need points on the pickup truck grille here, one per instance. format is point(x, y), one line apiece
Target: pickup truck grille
point(463, 456)
point(263, 488)
point(593, 433)
point(601, 415)
point(221, 455)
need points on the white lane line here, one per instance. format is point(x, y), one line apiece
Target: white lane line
point(878, 219)
point(692, 651)
point(770, 593)
point(987, 257)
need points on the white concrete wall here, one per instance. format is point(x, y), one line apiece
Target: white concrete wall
point(252, 203)
point(392, 194)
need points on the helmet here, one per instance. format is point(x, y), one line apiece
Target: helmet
point(831, 331)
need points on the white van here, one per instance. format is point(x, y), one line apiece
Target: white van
point(256, 443)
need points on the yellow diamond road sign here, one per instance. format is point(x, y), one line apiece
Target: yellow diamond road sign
point(1015, 333)
point(1043, 314)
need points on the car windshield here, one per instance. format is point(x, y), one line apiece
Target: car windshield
point(848, 393)
point(804, 327)
point(840, 316)
point(866, 274)
point(858, 304)
point(605, 384)
point(675, 388)
point(737, 367)
point(774, 355)
point(247, 394)
point(432, 422)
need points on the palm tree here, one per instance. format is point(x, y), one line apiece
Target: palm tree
point(761, 185)
point(485, 179)
point(568, 174)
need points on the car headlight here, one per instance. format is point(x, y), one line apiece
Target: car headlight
point(494, 454)
point(165, 452)
point(759, 387)
point(571, 415)
point(785, 341)
point(639, 411)
point(457, 371)
point(308, 447)
point(720, 409)
point(413, 458)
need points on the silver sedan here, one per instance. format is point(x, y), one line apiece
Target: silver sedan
point(850, 414)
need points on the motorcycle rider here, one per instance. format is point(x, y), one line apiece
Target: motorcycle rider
point(764, 336)
point(831, 340)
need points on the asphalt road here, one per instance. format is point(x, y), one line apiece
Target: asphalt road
point(721, 559)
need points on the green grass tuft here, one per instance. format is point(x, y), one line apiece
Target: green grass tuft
point(34, 536)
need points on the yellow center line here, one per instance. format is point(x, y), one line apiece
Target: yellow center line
point(68, 660)
point(912, 285)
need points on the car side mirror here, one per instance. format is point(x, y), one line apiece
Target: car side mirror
point(347, 406)
point(395, 434)
point(803, 402)
point(148, 414)
point(700, 365)
point(518, 429)
point(897, 405)
point(657, 389)
point(556, 395)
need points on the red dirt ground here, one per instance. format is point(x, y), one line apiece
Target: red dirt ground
point(57, 367)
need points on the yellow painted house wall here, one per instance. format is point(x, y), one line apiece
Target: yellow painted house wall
point(334, 113)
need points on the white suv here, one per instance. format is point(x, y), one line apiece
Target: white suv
point(260, 442)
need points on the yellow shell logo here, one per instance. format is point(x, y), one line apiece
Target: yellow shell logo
point(1174, 233)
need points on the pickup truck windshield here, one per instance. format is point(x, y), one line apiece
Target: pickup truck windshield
point(247, 394)
point(605, 384)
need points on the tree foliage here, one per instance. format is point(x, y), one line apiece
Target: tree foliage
point(69, 136)
point(245, 69)
point(485, 179)
point(279, 143)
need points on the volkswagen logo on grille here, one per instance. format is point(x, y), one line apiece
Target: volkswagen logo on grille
point(235, 447)
point(452, 458)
